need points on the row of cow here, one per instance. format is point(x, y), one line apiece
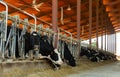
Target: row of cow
point(96, 56)
point(37, 46)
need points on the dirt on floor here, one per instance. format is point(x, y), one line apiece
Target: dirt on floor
point(82, 65)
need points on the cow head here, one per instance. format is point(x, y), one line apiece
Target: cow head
point(55, 57)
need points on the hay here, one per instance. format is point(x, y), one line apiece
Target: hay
point(65, 70)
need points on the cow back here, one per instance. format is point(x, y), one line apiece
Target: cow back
point(68, 56)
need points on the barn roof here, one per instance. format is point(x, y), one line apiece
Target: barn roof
point(42, 9)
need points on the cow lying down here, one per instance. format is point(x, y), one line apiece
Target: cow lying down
point(95, 56)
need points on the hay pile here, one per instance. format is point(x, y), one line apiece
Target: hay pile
point(65, 70)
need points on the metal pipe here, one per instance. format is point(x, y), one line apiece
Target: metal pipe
point(36, 17)
point(78, 18)
point(55, 20)
point(97, 22)
point(67, 33)
point(107, 42)
point(90, 21)
point(102, 18)
point(33, 16)
point(78, 25)
point(6, 18)
point(115, 44)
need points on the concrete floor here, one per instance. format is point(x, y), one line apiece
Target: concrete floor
point(84, 68)
point(110, 70)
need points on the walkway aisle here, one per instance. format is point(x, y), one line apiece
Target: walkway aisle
point(110, 70)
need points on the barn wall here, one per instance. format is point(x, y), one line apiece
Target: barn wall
point(118, 44)
point(111, 43)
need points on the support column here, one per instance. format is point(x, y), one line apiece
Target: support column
point(90, 22)
point(105, 28)
point(78, 18)
point(107, 42)
point(78, 23)
point(115, 45)
point(102, 30)
point(111, 44)
point(55, 21)
point(97, 22)
point(105, 33)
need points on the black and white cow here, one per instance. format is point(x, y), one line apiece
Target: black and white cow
point(48, 51)
point(91, 54)
point(96, 56)
point(40, 46)
point(68, 56)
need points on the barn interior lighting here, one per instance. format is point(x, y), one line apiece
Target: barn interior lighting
point(69, 8)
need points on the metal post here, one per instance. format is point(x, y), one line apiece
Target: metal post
point(4, 33)
point(90, 21)
point(55, 20)
point(6, 18)
point(66, 38)
point(97, 22)
point(105, 34)
point(34, 17)
point(31, 15)
point(78, 24)
point(115, 44)
point(107, 42)
point(111, 44)
point(102, 18)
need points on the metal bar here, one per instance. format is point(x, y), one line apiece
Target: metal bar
point(6, 18)
point(67, 33)
point(4, 33)
point(90, 21)
point(68, 38)
point(33, 16)
point(115, 44)
point(105, 34)
point(97, 22)
point(101, 41)
point(78, 25)
point(111, 45)
point(78, 18)
point(102, 18)
point(55, 20)
point(107, 42)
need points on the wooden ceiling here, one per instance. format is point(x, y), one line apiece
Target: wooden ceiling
point(42, 9)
